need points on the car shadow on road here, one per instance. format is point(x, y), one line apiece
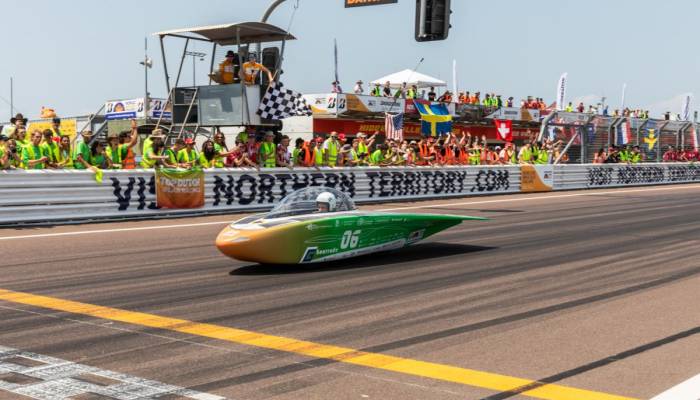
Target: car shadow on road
point(420, 252)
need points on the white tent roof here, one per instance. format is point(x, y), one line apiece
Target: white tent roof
point(411, 77)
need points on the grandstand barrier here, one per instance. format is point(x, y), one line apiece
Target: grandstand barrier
point(28, 197)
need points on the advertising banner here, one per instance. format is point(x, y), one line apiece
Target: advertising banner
point(134, 108)
point(69, 126)
point(536, 178)
point(321, 103)
point(177, 189)
point(561, 91)
point(516, 114)
point(371, 104)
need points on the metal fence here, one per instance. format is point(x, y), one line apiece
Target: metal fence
point(586, 134)
point(58, 196)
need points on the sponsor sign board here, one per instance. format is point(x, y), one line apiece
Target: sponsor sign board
point(134, 108)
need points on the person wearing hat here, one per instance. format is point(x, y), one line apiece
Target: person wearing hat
point(358, 87)
point(81, 155)
point(335, 87)
point(251, 69)
point(33, 156)
point(331, 146)
point(365, 144)
point(18, 120)
point(377, 90)
point(229, 68)
point(188, 156)
point(267, 154)
point(345, 155)
point(118, 152)
point(153, 153)
point(148, 142)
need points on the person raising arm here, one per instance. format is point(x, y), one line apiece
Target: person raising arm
point(118, 152)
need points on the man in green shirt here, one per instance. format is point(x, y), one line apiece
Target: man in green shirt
point(50, 148)
point(33, 156)
point(172, 152)
point(377, 157)
point(81, 154)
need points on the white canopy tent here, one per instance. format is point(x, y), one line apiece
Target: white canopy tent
point(411, 77)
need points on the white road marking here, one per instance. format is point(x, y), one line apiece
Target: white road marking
point(688, 390)
point(558, 196)
point(55, 378)
point(441, 205)
point(93, 232)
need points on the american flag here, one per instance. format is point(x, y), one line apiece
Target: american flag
point(393, 126)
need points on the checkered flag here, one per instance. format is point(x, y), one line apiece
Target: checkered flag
point(280, 103)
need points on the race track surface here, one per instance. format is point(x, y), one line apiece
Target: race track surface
point(590, 291)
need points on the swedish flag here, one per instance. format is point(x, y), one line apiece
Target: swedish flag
point(435, 118)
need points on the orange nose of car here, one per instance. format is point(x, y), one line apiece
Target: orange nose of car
point(233, 243)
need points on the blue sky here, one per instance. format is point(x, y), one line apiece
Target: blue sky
point(74, 55)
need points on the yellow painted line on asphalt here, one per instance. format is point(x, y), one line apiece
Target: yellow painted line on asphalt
point(423, 369)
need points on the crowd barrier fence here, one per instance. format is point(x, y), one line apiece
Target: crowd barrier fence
point(48, 196)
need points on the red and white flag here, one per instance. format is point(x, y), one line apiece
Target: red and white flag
point(504, 129)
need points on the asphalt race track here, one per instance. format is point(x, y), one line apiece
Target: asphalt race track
point(569, 295)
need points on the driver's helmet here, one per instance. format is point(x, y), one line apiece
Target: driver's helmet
point(326, 202)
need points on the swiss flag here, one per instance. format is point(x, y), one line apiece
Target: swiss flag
point(504, 129)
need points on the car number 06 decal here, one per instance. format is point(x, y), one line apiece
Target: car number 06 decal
point(350, 239)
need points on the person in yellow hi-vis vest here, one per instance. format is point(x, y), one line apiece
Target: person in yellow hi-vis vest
point(153, 155)
point(331, 147)
point(33, 156)
point(50, 148)
point(267, 154)
point(119, 152)
point(189, 155)
point(65, 153)
point(4, 152)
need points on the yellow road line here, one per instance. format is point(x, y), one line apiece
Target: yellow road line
point(423, 369)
